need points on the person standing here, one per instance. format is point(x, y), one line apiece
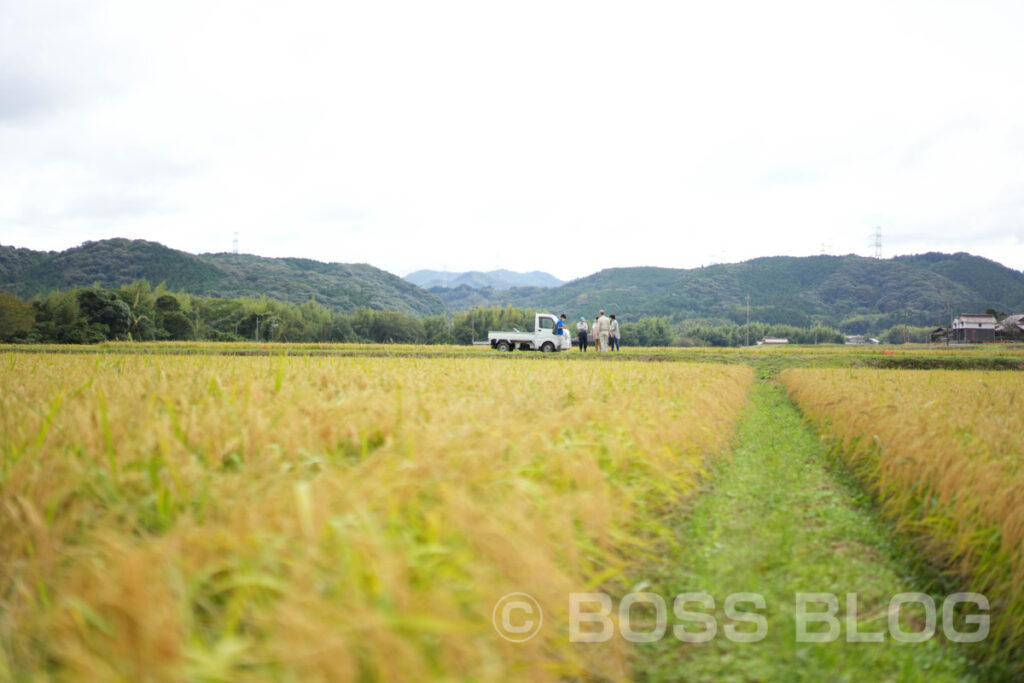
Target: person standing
point(613, 333)
point(603, 330)
point(560, 332)
point(594, 339)
point(581, 333)
point(560, 325)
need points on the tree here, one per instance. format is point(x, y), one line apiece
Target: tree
point(648, 332)
point(58, 319)
point(177, 326)
point(139, 297)
point(16, 317)
point(387, 327)
point(341, 329)
point(109, 314)
point(171, 321)
point(435, 328)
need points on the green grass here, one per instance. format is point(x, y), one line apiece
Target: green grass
point(776, 522)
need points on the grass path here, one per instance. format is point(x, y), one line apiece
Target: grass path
point(776, 522)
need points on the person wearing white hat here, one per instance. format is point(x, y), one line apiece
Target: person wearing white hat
point(581, 333)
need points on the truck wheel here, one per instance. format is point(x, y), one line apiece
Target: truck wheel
point(503, 346)
point(547, 347)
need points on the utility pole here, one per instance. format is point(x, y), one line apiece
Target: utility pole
point(948, 323)
point(878, 242)
point(748, 320)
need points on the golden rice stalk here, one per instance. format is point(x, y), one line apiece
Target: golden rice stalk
point(312, 518)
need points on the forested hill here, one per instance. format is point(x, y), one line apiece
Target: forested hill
point(114, 262)
point(855, 293)
point(851, 293)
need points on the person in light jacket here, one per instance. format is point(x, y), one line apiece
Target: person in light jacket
point(613, 333)
point(604, 328)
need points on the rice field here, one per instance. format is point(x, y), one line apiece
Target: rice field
point(766, 360)
point(942, 452)
point(304, 517)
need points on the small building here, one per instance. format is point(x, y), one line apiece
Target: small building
point(973, 328)
point(1011, 328)
point(940, 335)
point(772, 341)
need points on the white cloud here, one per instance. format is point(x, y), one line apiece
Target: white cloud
point(565, 137)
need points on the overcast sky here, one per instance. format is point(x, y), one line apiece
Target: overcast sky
point(558, 136)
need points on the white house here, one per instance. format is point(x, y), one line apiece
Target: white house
point(973, 328)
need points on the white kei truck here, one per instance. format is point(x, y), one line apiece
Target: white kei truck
point(543, 337)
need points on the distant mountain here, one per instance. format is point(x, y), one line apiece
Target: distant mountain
point(114, 262)
point(493, 279)
point(856, 294)
point(852, 292)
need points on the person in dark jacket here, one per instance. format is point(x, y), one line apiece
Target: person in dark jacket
point(581, 333)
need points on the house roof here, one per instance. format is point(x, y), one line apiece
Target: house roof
point(988, 317)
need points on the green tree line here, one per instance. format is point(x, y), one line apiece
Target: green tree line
point(139, 312)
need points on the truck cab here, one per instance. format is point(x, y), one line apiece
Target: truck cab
point(542, 338)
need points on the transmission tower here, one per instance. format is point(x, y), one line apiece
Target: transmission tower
point(878, 242)
point(234, 243)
